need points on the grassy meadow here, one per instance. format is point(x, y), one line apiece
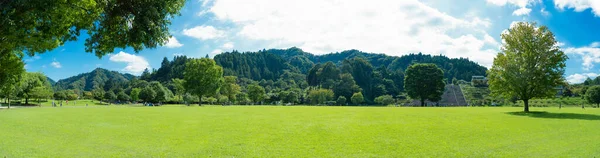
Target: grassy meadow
point(298, 131)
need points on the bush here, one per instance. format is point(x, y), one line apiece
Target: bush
point(385, 100)
point(357, 98)
point(341, 100)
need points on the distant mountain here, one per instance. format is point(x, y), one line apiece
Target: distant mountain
point(269, 64)
point(52, 82)
point(92, 80)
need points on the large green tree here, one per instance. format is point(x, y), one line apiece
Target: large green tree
point(11, 68)
point(203, 77)
point(30, 82)
point(529, 65)
point(424, 82)
point(593, 95)
point(230, 88)
point(256, 93)
point(36, 26)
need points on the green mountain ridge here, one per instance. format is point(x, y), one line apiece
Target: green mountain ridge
point(91, 80)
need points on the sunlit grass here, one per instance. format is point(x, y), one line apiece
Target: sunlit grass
point(272, 131)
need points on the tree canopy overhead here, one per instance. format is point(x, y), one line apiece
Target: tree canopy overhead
point(36, 26)
point(529, 65)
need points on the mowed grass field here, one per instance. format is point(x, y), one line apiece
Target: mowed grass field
point(299, 131)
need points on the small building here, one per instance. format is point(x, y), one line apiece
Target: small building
point(479, 81)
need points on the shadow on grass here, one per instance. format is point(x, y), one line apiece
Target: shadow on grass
point(543, 114)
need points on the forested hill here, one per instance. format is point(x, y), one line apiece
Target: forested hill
point(97, 79)
point(270, 64)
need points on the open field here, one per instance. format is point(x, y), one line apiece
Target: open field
point(271, 131)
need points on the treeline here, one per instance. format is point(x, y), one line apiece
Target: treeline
point(30, 85)
point(276, 76)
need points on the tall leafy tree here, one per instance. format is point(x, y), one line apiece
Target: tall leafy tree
point(29, 82)
point(593, 95)
point(424, 82)
point(135, 94)
point(529, 65)
point(203, 77)
point(346, 86)
point(230, 88)
point(178, 87)
point(256, 93)
point(11, 68)
point(147, 94)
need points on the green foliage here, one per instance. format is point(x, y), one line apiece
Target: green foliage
point(11, 70)
point(98, 94)
point(320, 96)
point(147, 94)
point(593, 95)
point(346, 86)
point(110, 96)
point(97, 79)
point(424, 82)
point(135, 94)
point(203, 77)
point(34, 85)
point(256, 93)
point(357, 98)
point(40, 26)
point(230, 88)
point(385, 100)
point(121, 96)
point(517, 70)
point(289, 96)
point(341, 100)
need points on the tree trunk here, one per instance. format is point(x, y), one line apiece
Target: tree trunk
point(9, 101)
point(27, 101)
point(526, 102)
point(422, 102)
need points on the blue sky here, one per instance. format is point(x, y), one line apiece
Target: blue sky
point(457, 28)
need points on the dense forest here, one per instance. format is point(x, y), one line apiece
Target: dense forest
point(281, 75)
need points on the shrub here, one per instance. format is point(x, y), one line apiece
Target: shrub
point(341, 100)
point(385, 100)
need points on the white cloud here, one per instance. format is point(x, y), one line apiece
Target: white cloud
point(215, 52)
point(135, 64)
point(521, 4)
point(392, 27)
point(177, 54)
point(522, 11)
point(544, 12)
point(204, 32)
point(56, 64)
point(579, 5)
point(227, 46)
point(579, 78)
point(173, 43)
point(589, 54)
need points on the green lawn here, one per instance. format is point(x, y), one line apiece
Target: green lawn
point(276, 131)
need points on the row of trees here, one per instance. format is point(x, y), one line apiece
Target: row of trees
point(29, 85)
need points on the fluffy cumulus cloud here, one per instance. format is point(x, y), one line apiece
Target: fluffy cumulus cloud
point(204, 32)
point(173, 43)
point(589, 55)
point(56, 64)
point(579, 78)
point(579, 5)
point(380, 26)
point(227, 46)
point(521, 4)
point(135, 64)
